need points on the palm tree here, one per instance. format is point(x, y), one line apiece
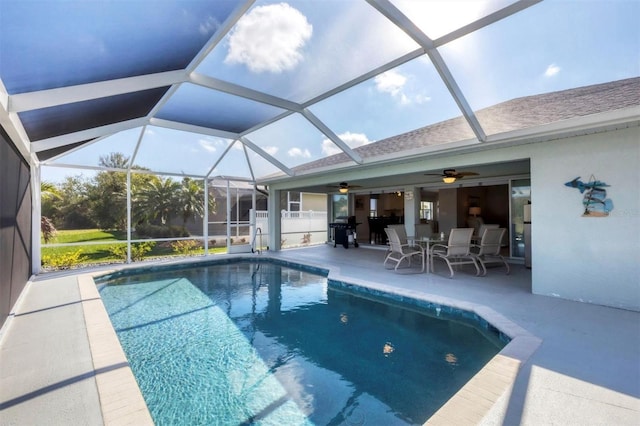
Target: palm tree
point(159, 199)
point(49, 191)
point(191, 199)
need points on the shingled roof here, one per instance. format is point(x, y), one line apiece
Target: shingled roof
point(516, 114)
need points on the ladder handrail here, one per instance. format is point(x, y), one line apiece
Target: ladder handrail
point(253, 241)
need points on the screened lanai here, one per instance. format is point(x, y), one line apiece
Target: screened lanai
point(253, 89)
point(304, 95)
point(276, 104)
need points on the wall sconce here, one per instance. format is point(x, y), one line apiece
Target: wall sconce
point(449, 179)
point(474, 211)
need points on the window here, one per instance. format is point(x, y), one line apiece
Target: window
point(340, 206)
point(373, 207)
point(426, 210)
point(292, 202)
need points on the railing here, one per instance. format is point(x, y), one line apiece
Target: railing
point(308, 214)
point(298, 228)
point(253, 241)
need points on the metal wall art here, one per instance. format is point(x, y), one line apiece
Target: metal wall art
point(595, 201)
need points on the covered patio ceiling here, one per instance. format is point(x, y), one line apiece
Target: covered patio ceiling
point(487, 174)
point(256, 90)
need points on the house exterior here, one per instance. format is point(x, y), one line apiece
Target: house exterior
point(585, 132)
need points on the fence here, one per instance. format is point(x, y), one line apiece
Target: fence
point(297, 228)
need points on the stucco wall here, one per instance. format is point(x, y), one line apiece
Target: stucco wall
point(315, 202)
point(595, 260)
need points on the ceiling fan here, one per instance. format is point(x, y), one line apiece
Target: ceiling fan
point(451, 175)
point(344, 187)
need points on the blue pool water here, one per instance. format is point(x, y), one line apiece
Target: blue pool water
point(262, 343)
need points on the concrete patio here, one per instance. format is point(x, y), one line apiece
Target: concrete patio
point(582, 366)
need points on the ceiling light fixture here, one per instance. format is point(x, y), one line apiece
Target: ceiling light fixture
point(449, 179)
point(344, 188)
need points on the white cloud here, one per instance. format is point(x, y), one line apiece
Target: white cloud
point(393, 83)
point(269, 38)
point(207, 145)
point(390, 82)
point(552, 70)
point(297, 152)
point(271, 150)
point(330, 148)
point(421, 99)
point(354, 140)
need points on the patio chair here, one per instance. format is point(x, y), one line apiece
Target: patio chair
point(488, 251)
point(457, 251)
point(477, 237)
point(402, 235)
point(399, 252)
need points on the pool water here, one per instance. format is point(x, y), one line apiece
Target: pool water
point(263, 343)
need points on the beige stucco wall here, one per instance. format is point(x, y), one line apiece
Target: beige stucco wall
point(590, 259)
point(315, 202)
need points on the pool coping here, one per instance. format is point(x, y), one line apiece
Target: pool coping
point(122, 402)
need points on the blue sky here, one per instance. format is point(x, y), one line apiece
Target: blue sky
point(296, 50)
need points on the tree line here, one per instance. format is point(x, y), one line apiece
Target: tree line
point(101, 201)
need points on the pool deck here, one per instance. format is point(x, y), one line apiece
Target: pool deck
point(570, 363)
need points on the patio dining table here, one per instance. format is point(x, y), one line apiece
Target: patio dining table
point(426, 244)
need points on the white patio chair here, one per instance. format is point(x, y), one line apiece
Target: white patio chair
point(457, 251)
point(477, 237)
point(402, 235)
point(399, 252)
point(488, 251)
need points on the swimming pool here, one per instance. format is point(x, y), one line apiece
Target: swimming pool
point(244, 342)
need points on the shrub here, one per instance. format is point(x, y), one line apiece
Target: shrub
point(138, 250)
point(184, 246)
point(158, 231)
point(63, 260)
point(48, 230)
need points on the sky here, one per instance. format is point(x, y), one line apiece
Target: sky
point(297, 50)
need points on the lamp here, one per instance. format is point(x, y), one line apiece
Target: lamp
point(474, 211)
point(343, 187)
point(449, 179)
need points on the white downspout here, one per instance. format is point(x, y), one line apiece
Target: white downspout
point(36, 217)
point(228, 218)
point(129, 216)
point(205, 220)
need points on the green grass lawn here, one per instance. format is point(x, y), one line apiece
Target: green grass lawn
point(82, 235)
point(100, 253)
